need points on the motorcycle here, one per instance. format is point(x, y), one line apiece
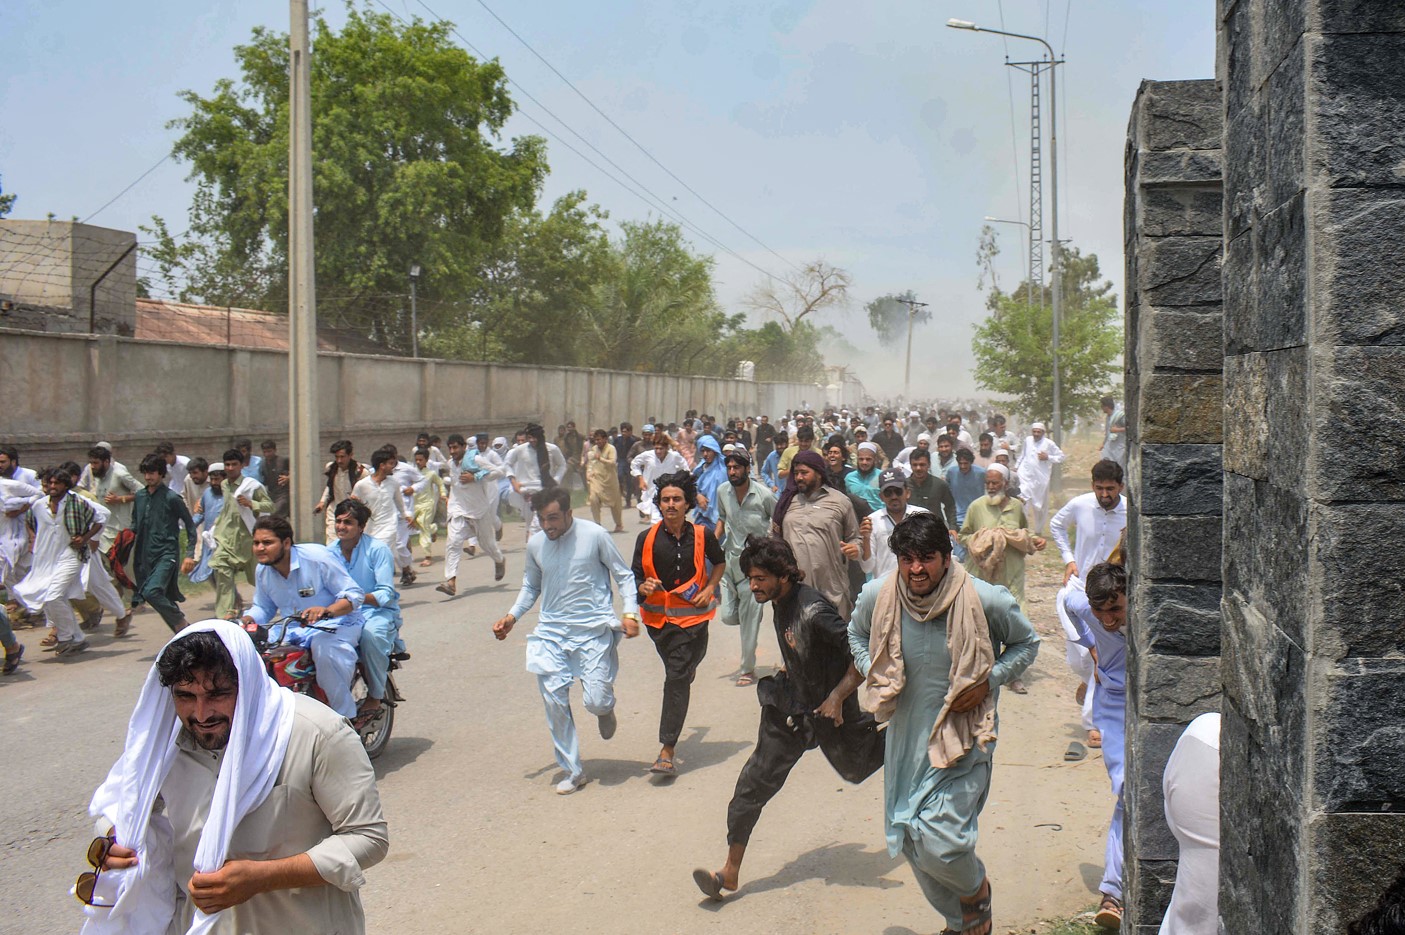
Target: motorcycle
point(292, 667)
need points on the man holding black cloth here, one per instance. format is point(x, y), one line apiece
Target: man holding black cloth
point(810, 702)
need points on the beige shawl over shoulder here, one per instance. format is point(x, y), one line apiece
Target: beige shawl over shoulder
point(972, 658)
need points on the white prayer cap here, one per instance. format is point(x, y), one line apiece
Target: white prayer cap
point(728, 447)
point(1000, 469)
point(107, 445)
point(868, 446)
point(924, 436)
point(915, 414)
point(500, 442)
point(1038, 425)
point(1003, 453)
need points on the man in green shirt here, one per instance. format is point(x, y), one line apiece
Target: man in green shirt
point(744, 509)
point(245, 499)
point(156, 522)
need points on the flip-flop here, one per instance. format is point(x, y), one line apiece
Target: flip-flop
point(664, 767)
point(1075, 752)
point(745, 679)
point(710, 883)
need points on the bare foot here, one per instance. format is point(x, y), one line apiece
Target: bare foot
point(1095, 739)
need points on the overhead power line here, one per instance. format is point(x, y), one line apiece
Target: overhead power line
point(160, 162)
point(637, 145)
point(640, 190)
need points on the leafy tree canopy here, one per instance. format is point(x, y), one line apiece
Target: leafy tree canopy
point(888, 316)
point(408, 168)
point(1014, 346)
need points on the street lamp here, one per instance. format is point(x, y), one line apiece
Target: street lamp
point(1057, 264)
point(414, 312)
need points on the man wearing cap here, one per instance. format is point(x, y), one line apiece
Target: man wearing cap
point(863, 480)
point(1035, 466)
point(913, 428)
point(924, 443)
point(744, 508)
point(997, 537)
point(877, 558)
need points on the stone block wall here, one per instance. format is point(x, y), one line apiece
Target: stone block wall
point(1174, 385)
point(1312, 747)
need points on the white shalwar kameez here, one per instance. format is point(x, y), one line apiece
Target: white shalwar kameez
point(577, 634)
point(95, 579)
point(14, 535)
point(472, 507)
point(648, 466)
point(1034, 474)
point(388, 512)
point(521, 463)
point(406, 475)
point(55, 577)
point(502, 487)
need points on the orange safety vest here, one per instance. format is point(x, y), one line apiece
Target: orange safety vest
point(670, 606)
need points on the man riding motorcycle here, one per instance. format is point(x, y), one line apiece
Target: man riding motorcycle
point(308, 582)
point(372, 566)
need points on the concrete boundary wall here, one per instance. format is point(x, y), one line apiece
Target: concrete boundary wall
point(64, 391)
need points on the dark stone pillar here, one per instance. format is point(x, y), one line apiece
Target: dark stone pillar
point(1174, 362)
point(1312, 747)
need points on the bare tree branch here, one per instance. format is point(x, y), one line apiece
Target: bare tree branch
point(817, 287)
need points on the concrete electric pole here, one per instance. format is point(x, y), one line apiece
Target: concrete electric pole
point(304, 442)
point(912, 306)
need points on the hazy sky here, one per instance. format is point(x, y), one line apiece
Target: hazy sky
point(866, 134)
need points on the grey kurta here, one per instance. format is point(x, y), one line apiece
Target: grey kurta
point(816, 526)
point(324, 803)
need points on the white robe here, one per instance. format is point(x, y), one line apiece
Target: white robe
point(14, 535)
point(56, 572)
point(1034, 475)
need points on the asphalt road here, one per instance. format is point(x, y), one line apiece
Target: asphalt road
point(479, 841)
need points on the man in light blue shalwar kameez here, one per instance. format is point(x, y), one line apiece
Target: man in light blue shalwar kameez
point(570, 564)
point(371, 565)
point(1100, 604)
point(931, 812)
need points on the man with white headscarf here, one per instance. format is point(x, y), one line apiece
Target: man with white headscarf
point(265, 797)
point(1035, 466)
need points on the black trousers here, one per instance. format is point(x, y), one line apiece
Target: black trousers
point(854, 749)
point(682, 649)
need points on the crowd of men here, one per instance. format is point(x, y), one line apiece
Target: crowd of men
point(891, 549)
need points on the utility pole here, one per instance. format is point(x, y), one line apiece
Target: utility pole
point(303, 413)
point(912, 306)
point(1056, 248)
point(414, 312)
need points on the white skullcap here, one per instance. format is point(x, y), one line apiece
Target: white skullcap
point(1000, 469)
point(868, 446)
point(924, 437)
point(1038, 425)
point(915, 413)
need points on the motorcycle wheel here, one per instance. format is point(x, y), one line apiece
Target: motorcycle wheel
point(375, 735)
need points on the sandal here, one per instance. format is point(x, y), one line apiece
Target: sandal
point(710, 883)
point(745, 679)
point(1109, 913)
point(975, 913)
point(664, 767)
point(50, 640)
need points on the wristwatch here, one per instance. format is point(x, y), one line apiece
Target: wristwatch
point(634, 617)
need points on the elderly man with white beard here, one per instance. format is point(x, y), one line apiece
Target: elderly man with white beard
point(997, 537)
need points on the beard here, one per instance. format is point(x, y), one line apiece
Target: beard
point(995, 499)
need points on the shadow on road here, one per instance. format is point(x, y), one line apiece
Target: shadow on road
point(402, 752)
point(848, 864)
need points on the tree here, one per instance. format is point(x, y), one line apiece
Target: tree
point(655, 308)
point(407, 169)
point(799, 294)
point(1014, 346)
point(7, 202)
point(888, 315)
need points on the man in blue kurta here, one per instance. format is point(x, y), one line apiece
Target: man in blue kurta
point(1099, 612)
point(934, 645)
point(711, 476)
point(570, 563)
point(371, 565)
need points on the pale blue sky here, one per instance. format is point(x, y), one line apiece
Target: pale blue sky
point(866, 134)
